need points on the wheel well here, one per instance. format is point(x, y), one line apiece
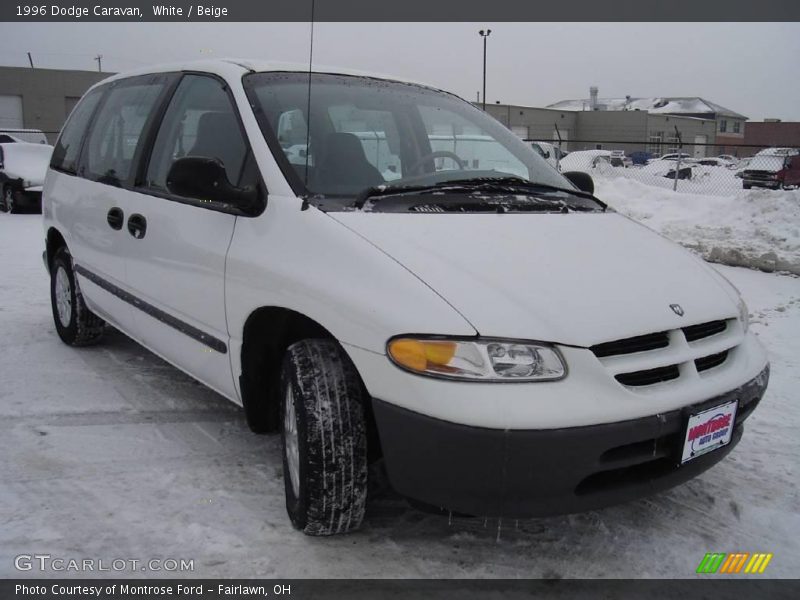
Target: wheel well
point(268, 332)
point(54, 241)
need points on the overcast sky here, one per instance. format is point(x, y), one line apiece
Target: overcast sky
point(750, 68)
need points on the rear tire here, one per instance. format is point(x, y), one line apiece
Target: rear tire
point(75, 323)
point(324, 438)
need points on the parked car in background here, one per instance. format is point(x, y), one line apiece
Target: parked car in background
point(618, 159)
point(7, 138)
point(729, 157)
point(772, 171)
point(550, 152)
point(717, 161)
point(587, 161)
point(778, 152)
point(674, 156)
point(23, 167)
point(32, 136)
point(669, 169)
point(640, 157)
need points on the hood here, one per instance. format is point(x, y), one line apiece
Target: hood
point(576, 279)
point(766, 163)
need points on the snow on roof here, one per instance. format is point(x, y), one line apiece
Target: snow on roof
point(664, 105)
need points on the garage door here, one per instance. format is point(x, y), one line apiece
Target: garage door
point(11, 112)
point(520, 131)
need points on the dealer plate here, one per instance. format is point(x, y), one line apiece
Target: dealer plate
point(709, 430)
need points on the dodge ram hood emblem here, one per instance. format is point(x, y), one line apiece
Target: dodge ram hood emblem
point(677, 309)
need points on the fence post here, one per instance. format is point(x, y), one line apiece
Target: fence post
point(678, 165)
point(558, 156)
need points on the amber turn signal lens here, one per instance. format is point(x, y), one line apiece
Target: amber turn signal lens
point(420, 355)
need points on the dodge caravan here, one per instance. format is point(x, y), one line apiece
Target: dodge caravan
point(398, 284)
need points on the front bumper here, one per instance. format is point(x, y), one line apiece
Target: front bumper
point(527, 473)
point(772, 184)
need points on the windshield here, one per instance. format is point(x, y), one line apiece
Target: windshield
point(367, 132)
point(766, 163)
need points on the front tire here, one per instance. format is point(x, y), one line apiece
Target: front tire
point(75, 323)
point(324, 439)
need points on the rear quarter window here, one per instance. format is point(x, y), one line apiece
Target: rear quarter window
point(68, 146)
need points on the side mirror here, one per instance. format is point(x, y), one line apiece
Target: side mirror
point(202, 178)
point(546, 154)
point(582, 181)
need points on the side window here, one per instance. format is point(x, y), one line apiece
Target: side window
point(117, 128)
point(65, 153)
point(200, 121)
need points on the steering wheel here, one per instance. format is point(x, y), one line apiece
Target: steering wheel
point(436, 154)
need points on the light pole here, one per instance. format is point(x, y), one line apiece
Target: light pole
point(484, 35)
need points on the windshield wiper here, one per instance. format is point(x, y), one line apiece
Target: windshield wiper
point(510, 185)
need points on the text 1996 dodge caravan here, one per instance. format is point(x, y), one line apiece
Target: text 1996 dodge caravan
point(391, 278)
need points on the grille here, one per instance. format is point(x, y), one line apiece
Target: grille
point(709, 362)
point(655, 358)
point(640, 343)
point(704, 330)
point(649, 376)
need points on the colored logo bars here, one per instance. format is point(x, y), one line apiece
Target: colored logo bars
point(737, 562)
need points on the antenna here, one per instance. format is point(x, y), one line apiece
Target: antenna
point(308, 107)
point(99, 59)
point(30, 60)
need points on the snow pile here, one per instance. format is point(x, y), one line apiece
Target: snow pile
point(759, 229)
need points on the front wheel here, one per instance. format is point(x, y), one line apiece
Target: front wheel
point(75, 323)
point(324, 439)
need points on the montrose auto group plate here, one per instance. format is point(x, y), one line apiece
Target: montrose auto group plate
point(709, 430)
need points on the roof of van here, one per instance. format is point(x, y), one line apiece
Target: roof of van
point(236, 67)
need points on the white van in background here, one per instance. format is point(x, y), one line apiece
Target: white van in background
point(32, 136)
point(550, 152)
point(23, 167)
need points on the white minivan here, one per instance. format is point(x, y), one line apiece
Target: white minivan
point(482, 330)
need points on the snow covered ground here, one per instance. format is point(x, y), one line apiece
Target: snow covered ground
point(108, 452)
point(755, 228)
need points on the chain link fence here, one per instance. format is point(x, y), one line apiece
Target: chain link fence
point(707, 169)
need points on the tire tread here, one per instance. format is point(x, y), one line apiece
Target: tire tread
point(336, 471)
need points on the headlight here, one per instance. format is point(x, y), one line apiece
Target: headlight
point(478, 360)
point(744, 315)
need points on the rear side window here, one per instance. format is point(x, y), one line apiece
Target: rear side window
point(200, 121)
point(115, 134)
point(68, 146)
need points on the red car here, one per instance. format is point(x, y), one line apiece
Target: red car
point(772, 172)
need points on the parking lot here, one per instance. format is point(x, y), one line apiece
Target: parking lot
point(111, 453)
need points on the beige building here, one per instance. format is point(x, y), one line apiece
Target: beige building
point(41, 98)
